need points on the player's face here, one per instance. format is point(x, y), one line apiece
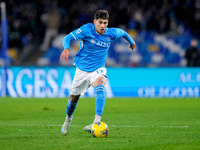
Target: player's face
point(100, 25)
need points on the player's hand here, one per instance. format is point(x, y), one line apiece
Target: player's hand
point(64, 55)
point(132, 47)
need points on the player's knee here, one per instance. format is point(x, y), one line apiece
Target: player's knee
point(100, 81)
point(74, 98)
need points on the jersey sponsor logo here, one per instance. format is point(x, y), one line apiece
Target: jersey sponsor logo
point(103, 44)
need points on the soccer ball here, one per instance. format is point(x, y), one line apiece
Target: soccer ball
point(99, 129)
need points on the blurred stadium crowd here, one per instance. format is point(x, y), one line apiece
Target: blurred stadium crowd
point(162, 30)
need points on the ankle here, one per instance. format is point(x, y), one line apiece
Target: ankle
point(97, 118)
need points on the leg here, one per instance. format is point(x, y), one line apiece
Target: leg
point(79, 86)
point(99, 85)
point(71, 105)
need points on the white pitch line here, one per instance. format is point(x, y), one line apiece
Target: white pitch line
point(122, 126)
point(134, 126)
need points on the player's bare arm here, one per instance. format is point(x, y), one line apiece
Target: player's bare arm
point(64, 55)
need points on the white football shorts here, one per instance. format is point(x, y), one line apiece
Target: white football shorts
point(83, 80)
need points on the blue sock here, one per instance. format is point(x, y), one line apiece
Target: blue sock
point(100, 99)
point(70, 108)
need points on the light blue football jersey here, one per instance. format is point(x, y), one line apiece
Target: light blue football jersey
point(93, 47)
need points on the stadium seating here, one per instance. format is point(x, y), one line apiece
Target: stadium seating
point(152, 50)
point(161, 35)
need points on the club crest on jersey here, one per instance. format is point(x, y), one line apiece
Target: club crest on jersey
point(108, 38)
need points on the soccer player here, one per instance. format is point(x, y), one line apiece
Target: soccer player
point(90, 62)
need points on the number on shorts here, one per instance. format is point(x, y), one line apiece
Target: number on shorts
point(99, 71)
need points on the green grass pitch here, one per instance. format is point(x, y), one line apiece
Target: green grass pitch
point(134, 123)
